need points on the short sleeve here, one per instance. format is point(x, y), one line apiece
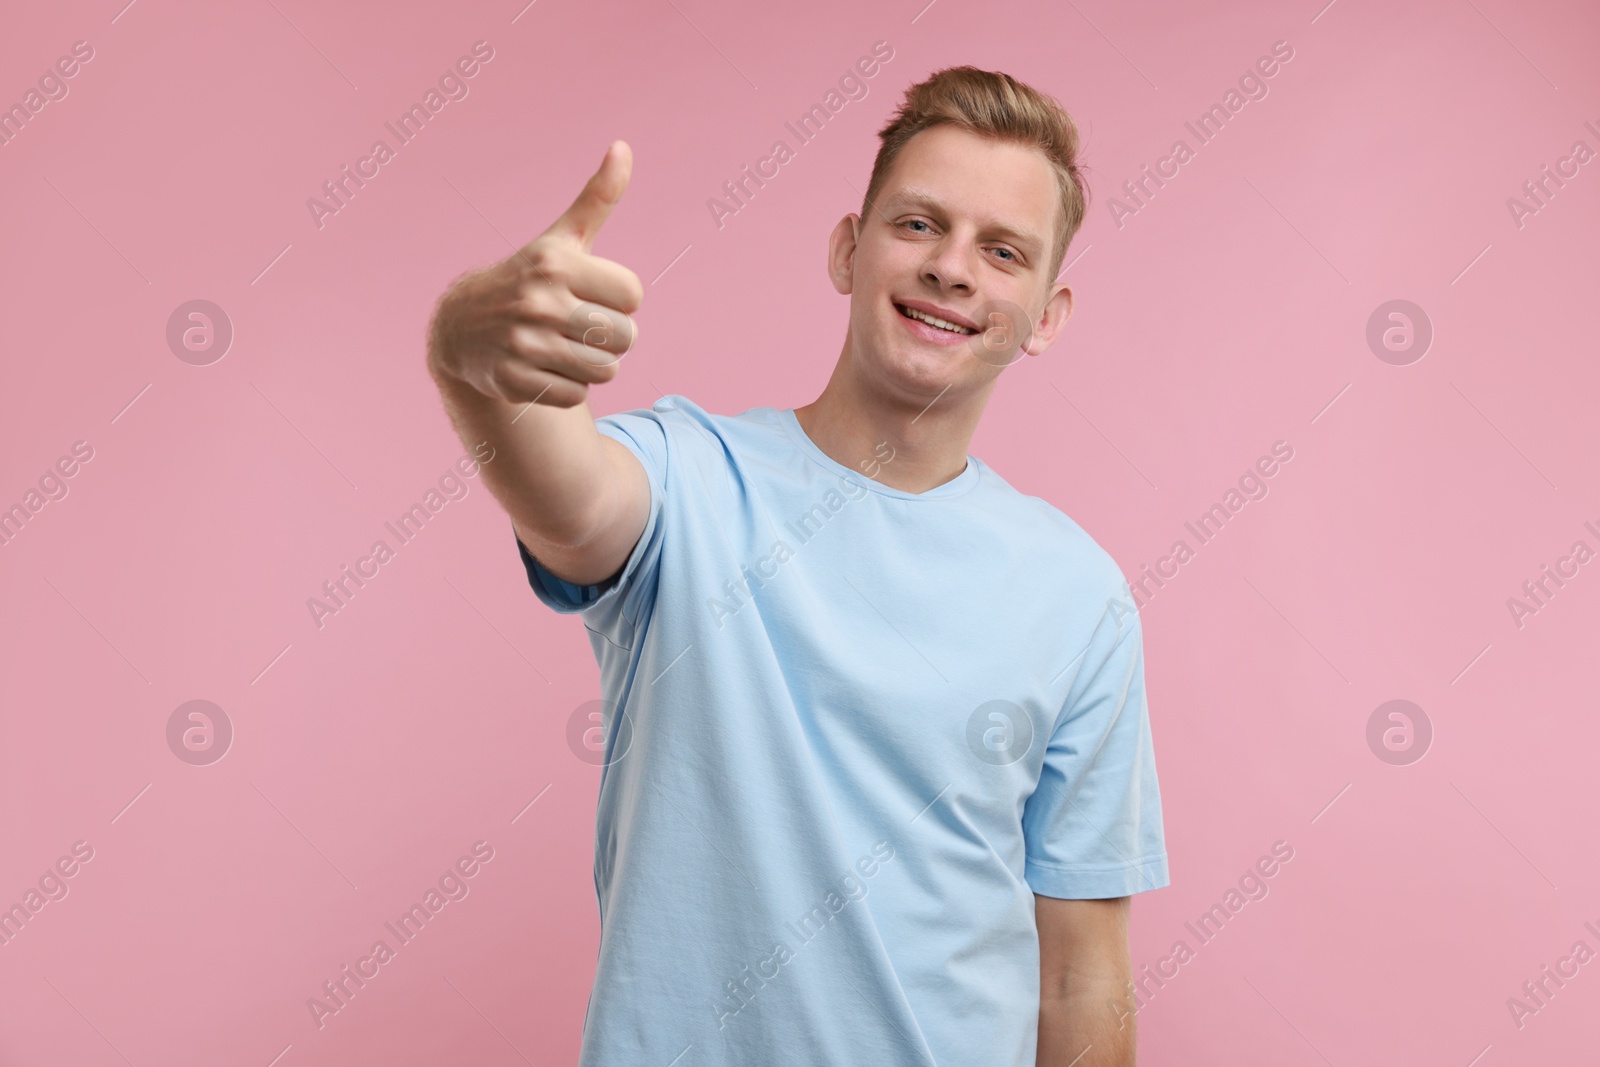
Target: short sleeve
point(1093, 825)
point(617, 607)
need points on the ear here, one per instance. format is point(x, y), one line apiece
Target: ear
point(1057, 310)
point(842, 253)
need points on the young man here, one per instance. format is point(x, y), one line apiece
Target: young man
point(877, 778)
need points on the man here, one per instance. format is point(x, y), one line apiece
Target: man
point(877, 778)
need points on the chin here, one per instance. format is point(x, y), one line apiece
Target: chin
point(918, 369)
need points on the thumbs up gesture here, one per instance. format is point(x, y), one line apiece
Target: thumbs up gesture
point(550, 319)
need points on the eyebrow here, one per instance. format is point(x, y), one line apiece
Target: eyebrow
point(918, 199)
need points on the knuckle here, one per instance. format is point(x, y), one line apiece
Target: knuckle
point(548, 264)
point(539, 302)
point(566, 394)
point(494, 384)
point(536, 255)
point(527, 343)
point(599, 372)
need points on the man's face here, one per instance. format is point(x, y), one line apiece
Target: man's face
point(963, 230)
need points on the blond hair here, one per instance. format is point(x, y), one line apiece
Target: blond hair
point(994, 105)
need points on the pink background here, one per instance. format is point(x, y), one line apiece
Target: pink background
point(1228, 314)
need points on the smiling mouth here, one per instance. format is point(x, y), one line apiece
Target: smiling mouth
point(933, 320)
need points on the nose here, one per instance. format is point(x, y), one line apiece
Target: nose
point(950, 264)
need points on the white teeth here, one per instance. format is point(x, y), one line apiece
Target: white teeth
point(922, 316)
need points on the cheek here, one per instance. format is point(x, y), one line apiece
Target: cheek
point(868, 317)
point(881, 307)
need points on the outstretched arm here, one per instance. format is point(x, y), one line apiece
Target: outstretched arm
point(513, 349)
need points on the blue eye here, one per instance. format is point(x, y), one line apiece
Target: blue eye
point(1010, 256)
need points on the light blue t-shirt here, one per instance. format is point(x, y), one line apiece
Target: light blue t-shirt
point(859, 729)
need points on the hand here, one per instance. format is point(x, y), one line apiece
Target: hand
point(544, 323)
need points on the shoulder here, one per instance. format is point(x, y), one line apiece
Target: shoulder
point(675, 438)
point(679, 417)
point(1058, 548)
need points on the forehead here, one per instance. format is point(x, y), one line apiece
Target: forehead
point(971, 176)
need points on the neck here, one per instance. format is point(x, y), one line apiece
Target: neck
point(909, 443)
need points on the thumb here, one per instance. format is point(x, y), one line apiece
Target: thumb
point(600, 194)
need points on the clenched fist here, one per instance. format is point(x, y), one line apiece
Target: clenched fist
point(544, 323)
